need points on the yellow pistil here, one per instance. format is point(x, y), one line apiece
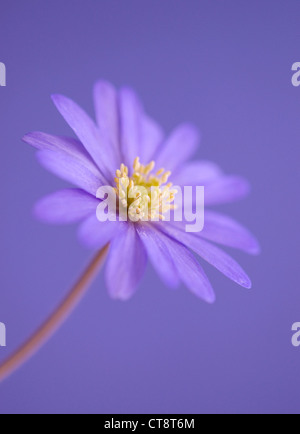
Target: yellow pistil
point(144, 195)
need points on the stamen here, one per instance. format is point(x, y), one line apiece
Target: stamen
point(144, 195)
point(136, 164)
point(165, 177)
point(149, 168)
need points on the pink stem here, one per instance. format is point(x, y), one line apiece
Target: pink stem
point(44, 333)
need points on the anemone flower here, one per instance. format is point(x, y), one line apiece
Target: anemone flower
point(128, 151)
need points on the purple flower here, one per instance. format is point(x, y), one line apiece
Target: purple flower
point(120, 150)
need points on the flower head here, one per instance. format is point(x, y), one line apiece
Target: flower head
point(127, 150)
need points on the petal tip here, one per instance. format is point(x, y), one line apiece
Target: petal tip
point(32, 138)
point(26, 138)
point(248, 284)
point(120, 296)
point(38, 212)
point(211, 299)
point(58, 99)
point(54, 96)
point(103, 84)
point(255, 250)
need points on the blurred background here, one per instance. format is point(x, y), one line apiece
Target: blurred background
point(225, 66)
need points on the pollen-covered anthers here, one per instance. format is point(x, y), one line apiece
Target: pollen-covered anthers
point(145, 196)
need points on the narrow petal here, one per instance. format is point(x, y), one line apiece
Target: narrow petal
point(178, 148)
point(107, 114)
point(197, 173)
point(71, 170)
point(65, 145)
point(88, 133)
point(226, 189)
point(210, 253)
point(131, 125)
point(159, 255)
point(126, 263)
point(50, 142)
point(95, 235)
point(224, 230)
point(189, 269)
point(66, 206)
point(151, 138)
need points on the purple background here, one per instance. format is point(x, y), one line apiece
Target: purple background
point(226, 66)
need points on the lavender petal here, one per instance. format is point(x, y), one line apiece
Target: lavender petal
point(197, 173)
point(88, 133)
point(131, 125)
point(178, 148)
point(62, 145)
point(224, 230)
point(70, 170)
point(226, 189)
point(107, 114)
point(65, 206)
point(158, 254)
point(189, 270)
point(152, 137)
point(210, 253)
point(95, 234)
point(126, 263)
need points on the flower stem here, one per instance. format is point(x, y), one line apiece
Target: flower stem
point(48, 328)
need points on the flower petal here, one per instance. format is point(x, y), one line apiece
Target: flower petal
point(65, 145)
point(210, 253)
point(178, 148)
point(126, 263)
point(107, 113)
point(189, 269)
point(158, 254)
point(197, 173)
point(88, 133)
point(66, 206)
point(95, 234)
point(71, 170)
point(224, 230)
point(226, 189)
point(152, 137)
point(131, 125)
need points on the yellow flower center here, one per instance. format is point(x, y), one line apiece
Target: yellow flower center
point(145, 195)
